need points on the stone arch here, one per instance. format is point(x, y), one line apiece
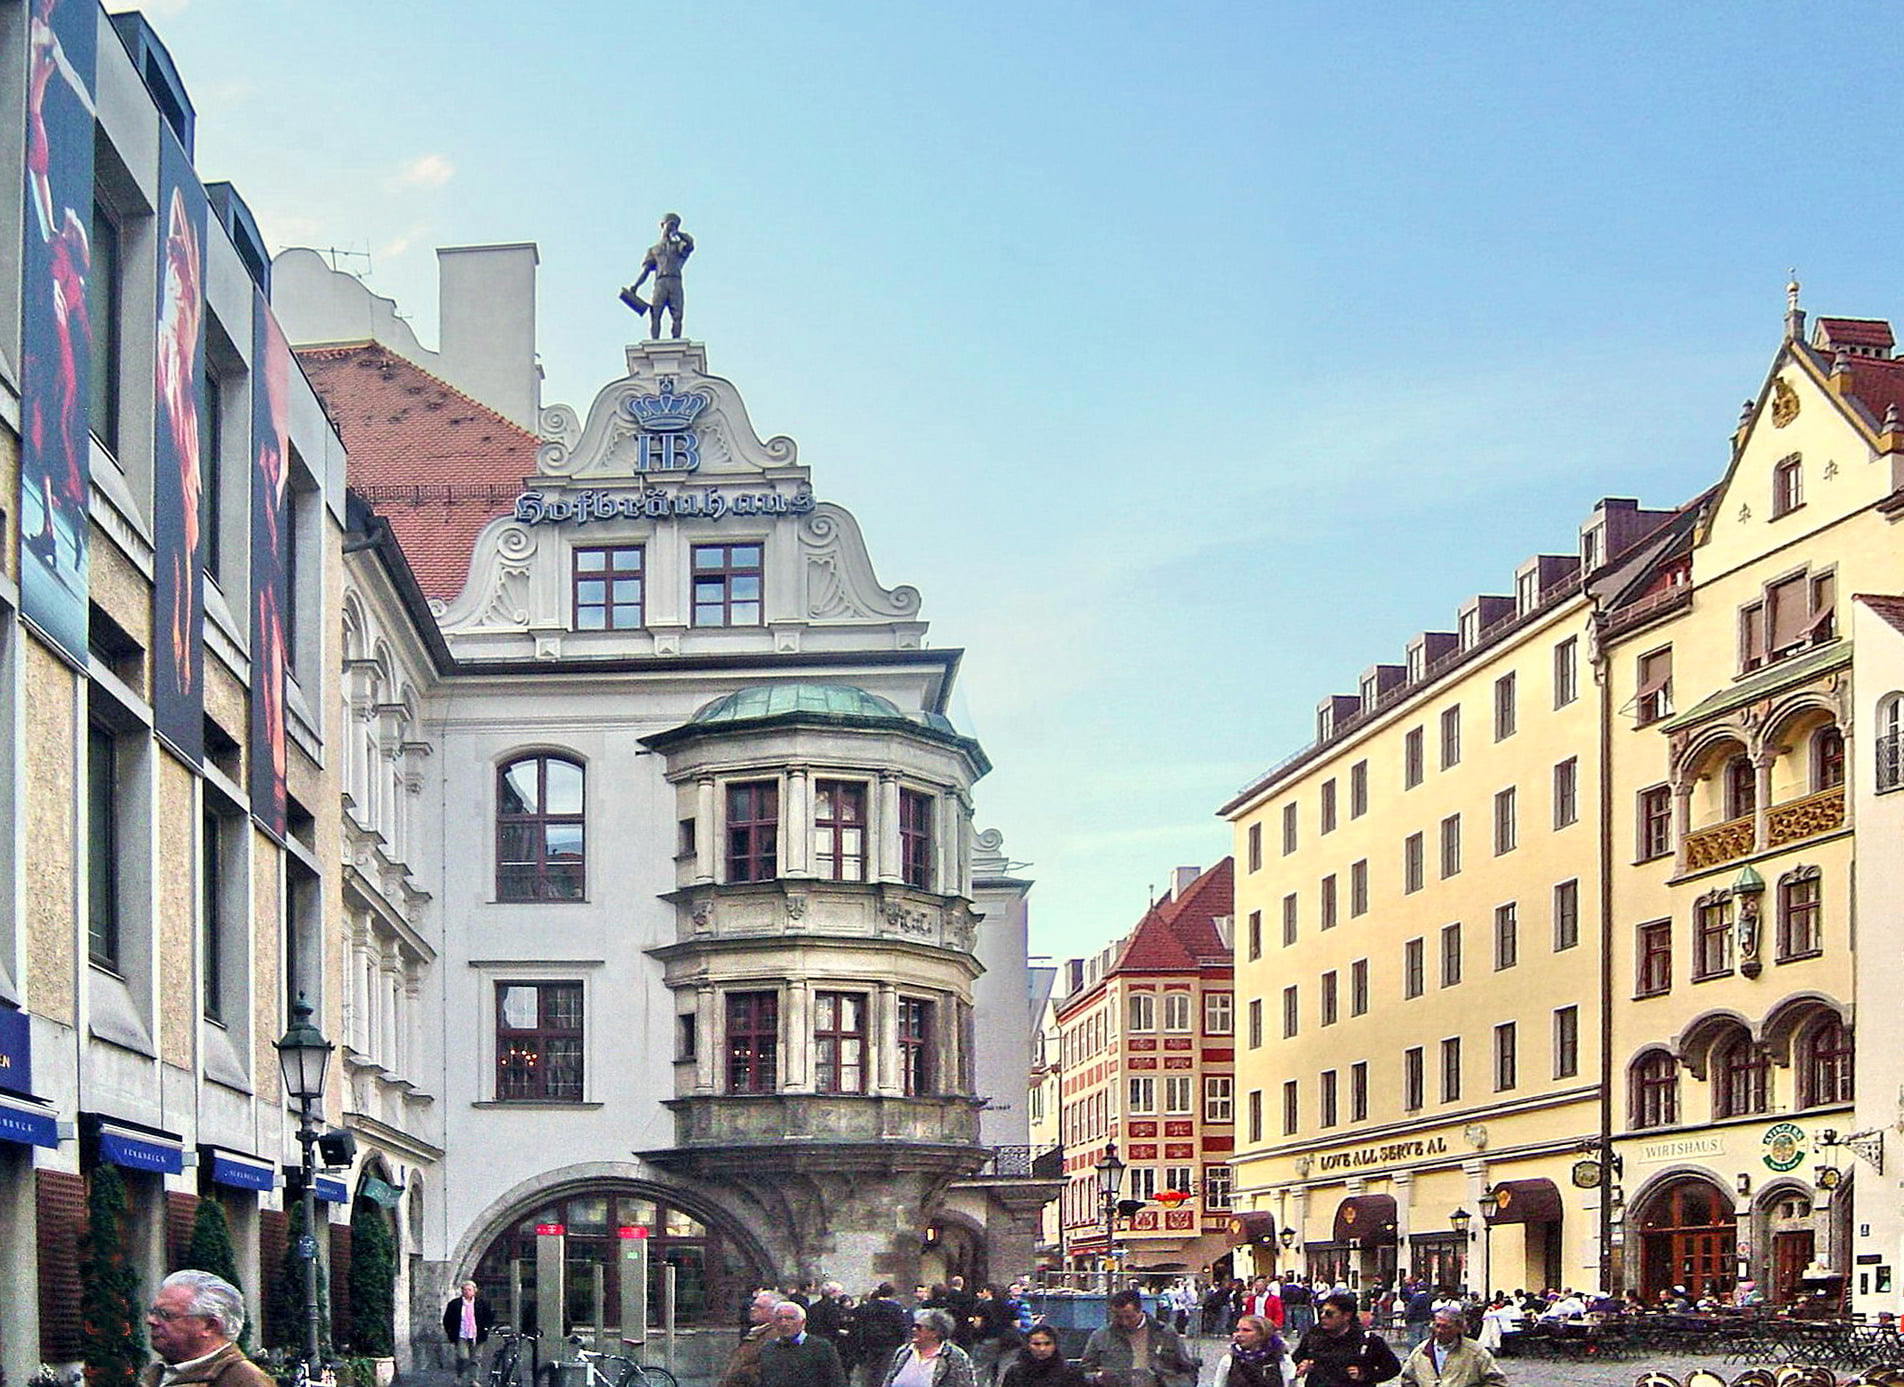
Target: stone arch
point(1694, 1044)
point(1683, 1217)
point(1792, 1014)
point(1810, 708)
point(1707, 752)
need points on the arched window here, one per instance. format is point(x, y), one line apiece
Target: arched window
point(1741, 787)
point(1739, 1072)
point(1824, 1058)
point(1655, 1090)
point(540, 830)
point(1800, 913)
point(1890, 743)
point(1827, 759)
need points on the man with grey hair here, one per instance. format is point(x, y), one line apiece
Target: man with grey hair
point(1448, 1358)
point(743, 1366)
point(795, 1358)
point(192, 1322)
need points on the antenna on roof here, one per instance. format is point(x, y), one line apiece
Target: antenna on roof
point(332, 252)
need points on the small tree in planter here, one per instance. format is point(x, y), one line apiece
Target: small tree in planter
point(112, 1333)
point(284, 1307)
point(211, 1250)
point(373, 1282)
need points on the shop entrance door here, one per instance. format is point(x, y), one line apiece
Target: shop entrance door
point(1791, 1254)
point(1687, 1239)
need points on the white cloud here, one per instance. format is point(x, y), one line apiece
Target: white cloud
point(402, 241)
point(424, 171)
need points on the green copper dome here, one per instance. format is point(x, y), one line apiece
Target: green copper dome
point(776, 700)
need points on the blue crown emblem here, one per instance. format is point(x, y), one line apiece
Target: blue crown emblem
point(666, 412)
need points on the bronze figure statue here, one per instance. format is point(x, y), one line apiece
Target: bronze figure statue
point(664, 261)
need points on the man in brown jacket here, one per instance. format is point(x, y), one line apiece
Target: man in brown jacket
point(192, 1322)
point(743, 1366)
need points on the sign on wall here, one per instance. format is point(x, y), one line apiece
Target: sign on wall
point(271, 451)
point(56, 332)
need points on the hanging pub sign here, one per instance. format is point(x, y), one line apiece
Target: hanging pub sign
point(56, 384)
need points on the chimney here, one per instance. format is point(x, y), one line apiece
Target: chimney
point(486, 328)
point(1181, 880)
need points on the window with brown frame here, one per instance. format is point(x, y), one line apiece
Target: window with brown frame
point(1788, 486)
point(1289, 919)
point(1358, 789)
point(1358, 887)
point(1326, 1099)
point(1653, 698)
point(1566, 1042)
point(1411, 759)
point(1327, 904)
point(727, 580)
point(1451, 1069)
point(1507, 936)
point(1741, 787)
point(1329, 1005)
point(1412, 1079)
point(1796, 613)
point(1506, 1056)
point(606, 584)
point(1451, 845)
point(1567, 792)
point(1411, 863)
point(1566, 671)
point(1451, 737)
point(1414, 969)
point(1825, 1064)
point(1800, 914)
point(1655, 959)
point(753, 831)
point(1290, 812)
point(915, 1046)
point(1712, 937)
point(1655, 1079)
point(1358, 1091)
point(540, 830)
point(839, 1042)
point(1566, 915)
point(1358, 987)
point(539, 1042)
point(1741, 1070)
point(1451, 955)
point(1256, 847)
point(915, 839)
point(1656, 822)
point(839, 830)
point(753, 1042)
point(1326, 813)
point(1506, 820)
point(1827, 759)
point(1504, 711)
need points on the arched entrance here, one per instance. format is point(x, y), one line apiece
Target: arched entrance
point(713, 1274)
point(1688, 1237)
point(954, 1246)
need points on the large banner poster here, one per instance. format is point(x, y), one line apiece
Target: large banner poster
point(178, 478)
point(55, 333)
point(271, 448)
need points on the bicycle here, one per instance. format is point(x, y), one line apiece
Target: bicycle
point(504, 1366)
point(650, 1374)
point(627, 1371)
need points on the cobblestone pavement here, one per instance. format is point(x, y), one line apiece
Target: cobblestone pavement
point(1536, 1372)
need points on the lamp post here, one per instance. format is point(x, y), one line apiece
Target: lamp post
point(303, 1056)
point(1110, 1176)
point(1459, 1221)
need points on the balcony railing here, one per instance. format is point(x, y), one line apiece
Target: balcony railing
point(1720, 843)
point(1890, 749)
point(1024, 1163)
point(1805, 818)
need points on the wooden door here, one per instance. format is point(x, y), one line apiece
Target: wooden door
point(1791, 1254)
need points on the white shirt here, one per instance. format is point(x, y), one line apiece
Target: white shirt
point(917, 1371)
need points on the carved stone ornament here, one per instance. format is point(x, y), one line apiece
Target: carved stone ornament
point(1784, 403)
point(1831, 468)
point(1475, 1134)
point(796, 907)
point(1745, 514)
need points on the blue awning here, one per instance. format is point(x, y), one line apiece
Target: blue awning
point(332, 1191)
point(140, 1151)
point(243, 1172)
point(28, 1126)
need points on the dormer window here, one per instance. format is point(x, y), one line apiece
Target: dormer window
point(1417, 662)
point(1369, 692)
point(1527, 591)
point(1590, 556)
point(1470, 628)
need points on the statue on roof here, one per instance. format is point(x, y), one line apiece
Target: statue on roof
point(664, 261)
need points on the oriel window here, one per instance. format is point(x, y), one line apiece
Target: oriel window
point(839, 829)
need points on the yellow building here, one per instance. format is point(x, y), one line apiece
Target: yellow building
point(1613, 806)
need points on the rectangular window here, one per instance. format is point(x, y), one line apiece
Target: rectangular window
point(1142, 1182)
point(1712, 939)
point(1292, 1011)
point(1141, 1094)
point(1358, 1091)
point(212, 886)
point(839, 1042)
point(1526, 591)
point(1289, 919)
point(1358, 987)
point(1451, 845)
point(1507, 936)
point(1256, 847)
point(1217, 1013)
point(1800, 909)
point(915, 1046)
point(1506, 1062)
point(1451, 1070)
point(1256, 1115)
point(1566, 671)
point(539, 1042)
point(1655, 959)
point(1504, 707)
point(1358, 789)
point(1255, 940)
point(1566, 1042)
point(1177, 1093)
point(1216, 1188)
point(1450, 955)
point(753, 831)
point(102, 846)
point(839, 830)
point(1329, 998)
point(1256, 1023)
point(915, 839)
point(1176, 1011)
point(1327, 904)
point(1566, 915)
point(1289, 828)
point(1506, 821)
point(1788, 614)
point(105, 281)
point(1567, 792)
point(1412, 1079)
point(1653, 695)
point(1292, 1112)
point(1142, 1011)
point(1217, 1091)
point(1788, 486)
point(1752, 636)
point(1358, 887)
point(1411, 759)
point(727, 584)
point(1326, 811)
point(1655, 822)
point(1451, 736)
point(1325, 1099)
point(1414, 981)
point(1411, 863)
point(607, 585)
point(753, 1042)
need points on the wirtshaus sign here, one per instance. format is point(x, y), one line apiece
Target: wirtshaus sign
point(656, 503)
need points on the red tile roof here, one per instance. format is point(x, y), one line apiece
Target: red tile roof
point(1877, 383)
point(435, 463)
point(1174, 934)
point(1854, 332)
point(1890, 608)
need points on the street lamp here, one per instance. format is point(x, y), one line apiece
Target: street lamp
point(1110, 1175)
point(1288, 1236)
point(303, 1056)
point(1459, 1221)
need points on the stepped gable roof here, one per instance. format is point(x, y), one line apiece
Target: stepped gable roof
point(1890, 608)
point(436, 464)
point(1174, 934)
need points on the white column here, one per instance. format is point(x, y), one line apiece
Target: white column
point(886, 1040)
point(796, 1069)
point(946, 831)
point(705, 1047)
point(1762, 796)
point(706, 829)
point(886, 825)
point(797, 825)
point(393, 1031)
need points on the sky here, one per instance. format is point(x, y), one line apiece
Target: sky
point(1189, 358)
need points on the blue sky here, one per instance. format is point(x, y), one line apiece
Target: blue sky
point(1188, 358)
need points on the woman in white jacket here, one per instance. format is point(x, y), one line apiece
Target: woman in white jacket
point(1257, 1356)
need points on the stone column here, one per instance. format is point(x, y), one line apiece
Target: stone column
point(706, 830)
point(796, 1044)
point(886, 1078)
point(796, 859)
point(412, 1020)
point(886, 822)
point(950, 876)
point(704, 1046)
point(1404, 1184)
point(358, 1029)
point(393, 1058)
point(1762, 796)
point(1682, 823)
